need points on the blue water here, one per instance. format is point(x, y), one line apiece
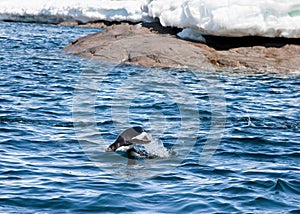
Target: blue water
point(58, 112)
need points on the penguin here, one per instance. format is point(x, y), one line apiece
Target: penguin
point(129, 141)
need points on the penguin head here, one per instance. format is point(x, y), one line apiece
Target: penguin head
point(119, 145)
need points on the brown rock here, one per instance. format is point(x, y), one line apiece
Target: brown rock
point(153, 45)
point(89, 24)
point(286, 58)
point(68, 24)
point(134, 44)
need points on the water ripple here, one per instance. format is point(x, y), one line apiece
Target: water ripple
point(43, 168)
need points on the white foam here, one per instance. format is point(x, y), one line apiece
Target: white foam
point(271, 18)
point(157, 149)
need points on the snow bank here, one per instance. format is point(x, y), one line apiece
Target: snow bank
point(271, 18)
point(55, 11)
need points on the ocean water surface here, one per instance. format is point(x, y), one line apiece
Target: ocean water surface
point(59, 112)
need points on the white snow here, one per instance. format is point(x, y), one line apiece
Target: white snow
point(271, 18)
point(55, 11)
point(191, 34)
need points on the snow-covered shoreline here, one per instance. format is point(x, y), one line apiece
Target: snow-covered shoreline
point(271, 18)
point(55, 11)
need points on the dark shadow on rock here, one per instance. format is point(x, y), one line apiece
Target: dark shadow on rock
point(226, 43)
point(158, 28)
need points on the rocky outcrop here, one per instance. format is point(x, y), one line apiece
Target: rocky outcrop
point(153, 45)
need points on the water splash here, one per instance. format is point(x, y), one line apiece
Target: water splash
point(156, 148)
